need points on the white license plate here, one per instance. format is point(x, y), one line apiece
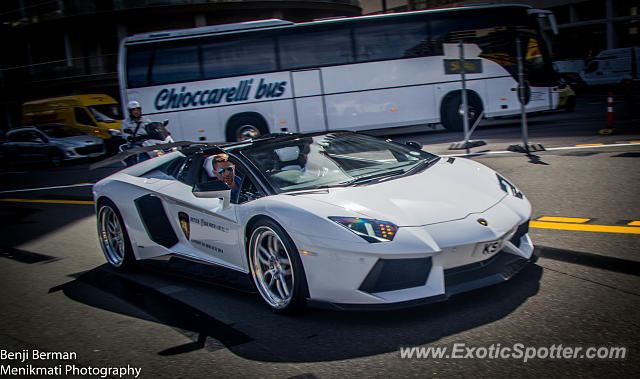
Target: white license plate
point(487, 249)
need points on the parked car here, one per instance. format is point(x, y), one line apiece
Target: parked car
point(613, 66)
point(53, 143)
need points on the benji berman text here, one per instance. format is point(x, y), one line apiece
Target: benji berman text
point(23, 355)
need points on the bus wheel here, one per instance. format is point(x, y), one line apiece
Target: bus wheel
point(245, 127)
point(451, 111)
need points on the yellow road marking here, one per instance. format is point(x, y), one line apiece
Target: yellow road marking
point(564, 219)
point(585, 228)
point(47, 201)
point(634, 223)
point(634, 141)
point(590, 144)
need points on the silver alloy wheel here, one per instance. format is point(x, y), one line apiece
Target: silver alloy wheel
point(111, 235)
point(271, 267)
point(247, 131)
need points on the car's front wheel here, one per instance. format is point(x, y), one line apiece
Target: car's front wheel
point(56, 158)
point(113, 236)
point(276, 267)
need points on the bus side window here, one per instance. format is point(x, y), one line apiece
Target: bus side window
point(138, 67)
point(238, 56)
point(175, 64)
point(390, 41)
point(315, 48)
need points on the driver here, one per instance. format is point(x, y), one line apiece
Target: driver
point(136, 121)
point(225, 171)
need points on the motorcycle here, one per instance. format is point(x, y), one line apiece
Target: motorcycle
point(156, 134)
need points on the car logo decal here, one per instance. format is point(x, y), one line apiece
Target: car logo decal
point(483, 222)
point(184, 223)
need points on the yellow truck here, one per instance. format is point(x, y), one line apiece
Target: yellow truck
point(98, 115)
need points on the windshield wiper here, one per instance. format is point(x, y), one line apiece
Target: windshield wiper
point(374, 177)
point(422, 166)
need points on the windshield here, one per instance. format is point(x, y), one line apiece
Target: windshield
point(106, 112)
point(59, 131)
point(334, 160)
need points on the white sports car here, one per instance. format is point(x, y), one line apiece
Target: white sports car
point(334, 218)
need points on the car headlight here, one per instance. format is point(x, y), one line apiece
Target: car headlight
point(370, 230)
point(507, 187)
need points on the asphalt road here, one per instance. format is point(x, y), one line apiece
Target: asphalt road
point(60, 296)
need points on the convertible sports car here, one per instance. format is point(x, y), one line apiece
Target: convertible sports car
point(334, 218)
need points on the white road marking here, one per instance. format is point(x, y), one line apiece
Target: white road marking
point(541, 151)
point(48, 188)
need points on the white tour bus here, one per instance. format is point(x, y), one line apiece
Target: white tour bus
point(237, 81)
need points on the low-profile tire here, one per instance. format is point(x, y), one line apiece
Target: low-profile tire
point(450, 116)
point(245, 127)
point(113, 237)
point(56, 158)
point(570, 106)
point(276, 268)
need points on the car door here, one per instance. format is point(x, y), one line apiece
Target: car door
point(207, 229)
point(25, 145)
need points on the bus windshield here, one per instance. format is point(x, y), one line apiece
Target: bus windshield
point(496, 34)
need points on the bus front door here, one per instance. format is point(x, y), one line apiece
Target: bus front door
point(309, 103)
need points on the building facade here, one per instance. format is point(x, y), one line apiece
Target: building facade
point(64, 47)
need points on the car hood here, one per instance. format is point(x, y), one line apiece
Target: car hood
point(78, 140)
point(449, 190)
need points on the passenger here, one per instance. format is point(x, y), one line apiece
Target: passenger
point(136, 121)
point(226, 171)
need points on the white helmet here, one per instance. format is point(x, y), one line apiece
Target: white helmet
point(133, 104)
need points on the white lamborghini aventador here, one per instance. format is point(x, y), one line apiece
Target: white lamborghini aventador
point(337, 218)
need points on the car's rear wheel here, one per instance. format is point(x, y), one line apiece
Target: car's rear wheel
point(276, 267)
point(113, 236)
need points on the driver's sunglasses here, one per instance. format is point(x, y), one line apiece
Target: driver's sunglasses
point(221, 170)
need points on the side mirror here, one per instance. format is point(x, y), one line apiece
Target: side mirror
point(216, 189)
point(414, 145)
point(165, 122)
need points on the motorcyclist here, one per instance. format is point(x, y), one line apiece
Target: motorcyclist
point(136, 121)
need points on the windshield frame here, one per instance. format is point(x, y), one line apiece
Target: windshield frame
point(263, 159)
point(99, 112)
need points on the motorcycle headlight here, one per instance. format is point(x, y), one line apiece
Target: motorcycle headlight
point(372, 231)
point(507, 187)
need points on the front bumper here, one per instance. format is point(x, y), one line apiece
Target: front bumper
point(392, 281)
point(497, 269)
point(89, 151)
